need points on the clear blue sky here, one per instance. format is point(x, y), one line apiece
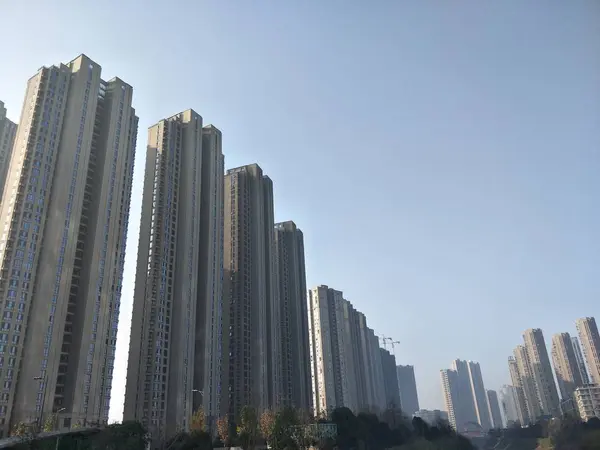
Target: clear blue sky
point(442, 157)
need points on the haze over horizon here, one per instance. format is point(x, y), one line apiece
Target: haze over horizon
point(441, 159)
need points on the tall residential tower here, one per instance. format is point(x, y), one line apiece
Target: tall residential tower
point(409, 399)
point(8, 131)
point(590, 341)
point(174, 353)
point(64, 215)
point(252, 369)
point(565, 365)
point(542, 371)
point(295, 354)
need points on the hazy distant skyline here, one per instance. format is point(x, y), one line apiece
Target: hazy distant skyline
point(441, 158)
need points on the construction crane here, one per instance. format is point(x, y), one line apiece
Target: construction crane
point(384, 341)
point(392, 342)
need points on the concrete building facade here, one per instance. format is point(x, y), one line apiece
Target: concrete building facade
point(409, 399)
point(295, 354)
point(522, 410)
point(528, 383)
point(390, 380)
point(64, 218)
point(494, 409)
point(509, 404)
point(542, 372)
point(583, 372)
point(590, 341)
point(174, 354)
point(587, 399)
point(251, 325)
point(566, 368)
point(8, 131)
point(480, 398)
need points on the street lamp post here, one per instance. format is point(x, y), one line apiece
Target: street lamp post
point(44, 379)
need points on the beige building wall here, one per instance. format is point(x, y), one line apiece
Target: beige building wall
point(587, 399)
point(590, 341)
point(520, 403)
point(565, 364)
point(8, 131)
point(64, 219)
point(528, 383)
point(169, 372)
point(542, 371)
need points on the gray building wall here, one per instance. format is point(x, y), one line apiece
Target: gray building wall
point(177, 287)
point(494, 409)
point(295, 354)
point(390, 380)
point(251, 337)
point(479, 395)
point(464, 401)
point(409, 399)
point(64, 216)
point(8, 131)
point(583, 373)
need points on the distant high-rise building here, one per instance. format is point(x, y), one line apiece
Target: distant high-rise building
point(494, 409)
point(565, 365)
point(64, 213)
point(510, 405)
point(251, 314)
point(174, 353)
point(466, 402)
point(521, 409)
point(585, 378)
point(390, 380)
point(480, 397)
point(296, 386)
point(542, 371)
point(590, 340)
point(460, 385)
point(8, 131)
point(333, 371)
point(527, 382)
point(409, 399)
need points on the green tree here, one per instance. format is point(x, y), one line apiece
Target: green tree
point(248, 428)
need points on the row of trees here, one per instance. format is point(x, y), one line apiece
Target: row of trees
point(288, 429)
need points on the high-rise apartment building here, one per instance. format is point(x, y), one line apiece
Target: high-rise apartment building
point(409, 399)
point(8, 131)
point(345, 357)
point(521, 409)
point(510, 405)
point(296, 389)
point(590, 340)
point(565, 364)
point(64, 215)
point(174, 353)
point(542, 371)
point(527, 382)
point(332, 356)
point(461, 385)
point(587, 399)
point(585, 378)
point(494, 409)
point(251, 313)
point(480, 397)
point(390, 380)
